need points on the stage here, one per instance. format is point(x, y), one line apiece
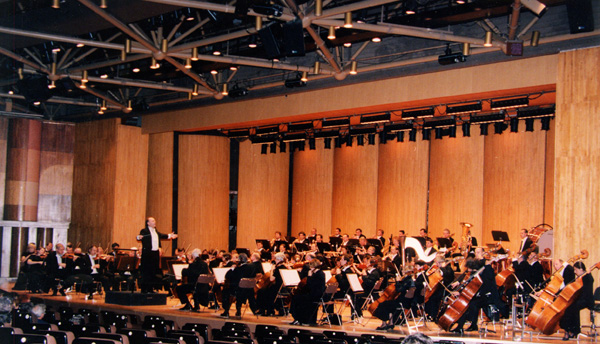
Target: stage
point(211, 317)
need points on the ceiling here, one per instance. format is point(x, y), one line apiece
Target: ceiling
point(42, 46)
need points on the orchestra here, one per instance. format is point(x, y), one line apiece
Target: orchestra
point(452, 289)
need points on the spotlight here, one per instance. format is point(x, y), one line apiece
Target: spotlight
point(331, 34)
point(129, 105)
point(371, 139)
point(360, 140)
point(188, 63)
point(514, 125)
point(354, 67)
point(410, 114)
point(300, 145)
point(318, 8)
point(382, 137)
point(317, 67)
point(449, 57)
point(304, 77)
point(263, 148)
point(273, 148)
point(483, 129)
point(452, 131)
point(327, 142)
point(400, 136)
point(412, 135)
point(349, 140)
point(499, 127)
point(426, 134)
point(468, 108)
point(224, 90)
point(439, 133)
point(154, 64)
point(55, 3)
point(312, 144)
point(194, 54)
point(535, 38)
point(546, 123)
point(376, 39)
point(282, 147)
point(466, 49)
point(103, 107)
point(488, 39)
point(348, 20)
point(103, 4)
point(195, 90)
point(509, 103)
point(84, 76)
point(529, 124)
point(466, 129)
point(338, 142)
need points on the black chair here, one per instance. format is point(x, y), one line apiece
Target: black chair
point(61, 337)
point(30, 328)
point(297, 331)
point(32, 339)
point(231, 325)
point(268, 333)
point(135, 335)
point(239, 340)
point(83, 330)
point(374, 337)
point(121, 338)
point(309, 338)
point(153, 318)
point(91, 316)
point(161, 327)
point(21, 318)
point(356, 340)
point(6, 331)
point(86, 340)
point(335, 334)
point(163, 340)
point(331, 341)
point(188, 337)
point(284, 338)
point(201, 329)
point(260, 328)
point(65, 313)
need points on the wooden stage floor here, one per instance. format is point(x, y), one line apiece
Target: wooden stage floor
point(206, 316)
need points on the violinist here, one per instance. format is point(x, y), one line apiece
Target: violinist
point(361, 249)
point(49, 247)
point(344, 268)
point(345, 243)
point(379, 236)
point(233, 278)
point(263, 252)
point(432, 306)
point(79, 270)
point(448, 244)
point(56, 268)
point(370, 276)
point(301, 239)
point(98, 267)
point(313, 235)
point(180, 255)
point(387, 311)
point(305, 304)
point(394, 258)
point(35, 271)
point(570, 321)
point(21, 283)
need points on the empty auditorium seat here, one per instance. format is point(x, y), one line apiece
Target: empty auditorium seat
point(32, 339)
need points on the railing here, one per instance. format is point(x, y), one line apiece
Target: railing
point(17, 234)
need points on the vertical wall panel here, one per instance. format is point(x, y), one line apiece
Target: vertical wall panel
point(159, 200)
point(577, 174)
point(402, 189)
point(94, 172)
point(514, 183)
point(262, 194)
point(3, 150)
point(56, 172)
point(456, 185)
point(131, 175)
point(312, 190)
point(355, 189)
point(203, 204)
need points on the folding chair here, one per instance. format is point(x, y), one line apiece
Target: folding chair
point(209, 281)
point(325, 302)
point(370, 299)
point(247, 284)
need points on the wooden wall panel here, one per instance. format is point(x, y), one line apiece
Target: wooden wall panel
point(549, 176)
point(577, 150)
point(56, 172)
point(456, 185)
point(312, 190)
point(514, 183)
point(3, 147)
point(262, 194)
point(355, 189)
point(203, 204)
point(131, 175)
point(402, 188)
point(94, 172)
point(159, 199)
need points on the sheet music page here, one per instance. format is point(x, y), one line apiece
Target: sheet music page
point(290, 277)
point(354, 283)
point(327, 275)
point(177, 270)
point(267, 267)
point(220, 274)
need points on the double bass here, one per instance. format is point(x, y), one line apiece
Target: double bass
point(457, 307)
point(551, 315)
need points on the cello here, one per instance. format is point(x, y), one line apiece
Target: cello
point(551, 315)
point(548, 294)
point(387, 294)
point(457, 307)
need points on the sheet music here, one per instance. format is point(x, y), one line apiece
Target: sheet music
point(267, 267)
point(290, 277)
point(327, 275)
point(177, 268)
point(220, 274)
point(354, 283)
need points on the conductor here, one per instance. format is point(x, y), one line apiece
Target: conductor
point(150, 262)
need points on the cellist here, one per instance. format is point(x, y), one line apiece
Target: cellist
point(570, 321)
point(432, 306)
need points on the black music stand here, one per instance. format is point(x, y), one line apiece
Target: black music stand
point(323, 246)
point(301, 247)
point(422, 240)
point(375, 242)
point(278, 243)
point(444, 242)
point(500, 236)
point(127, 263)
point(335, 241)
point(266, 243)
point(243, 250)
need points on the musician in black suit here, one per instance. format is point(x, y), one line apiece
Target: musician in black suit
point(526, 242)
point(79, 270)
point(196, 268)
point(570, 321)
point(267, 296)
point(380, 237)
point(566, 270)
point(56, 268)
point(150, 263)
point(432, 306)
point(370, 276)
point(304, 303)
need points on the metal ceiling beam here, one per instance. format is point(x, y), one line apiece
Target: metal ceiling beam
point(158, 54)
point(59, 100)
point(24, 60)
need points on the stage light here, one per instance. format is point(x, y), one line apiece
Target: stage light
point(370, 119)
point(349, 140)
point(55, 3)
point(273, 148)
point(376, 39)
point(294, 137)
point(335, 122)
point(499, 127)
point(371, 139)
point(312, 144)
point(467, 108)
point(466, 49)
point(383, 137)
point(439, 133)
point(426, 134)
point(412, 135)
point(188, 63)
point(529, 124)
point(103, 4)
point(331, 34)
point(224, 90)
point(354, 67)
point(421, 113)
point(483, 129)
point(535, 38)
point(338, 142)
point(545, 123)
point(318, 8)
point(348, 20)
point(360, 140)
point(466, 129)
point(300, 126)
point(263, 148)
point(400, 136)
point(103, 106)
point(488, 39)
point(317, 67)
point(282, 147)
point(304, 77)
point(509, 103)
point(327, 142)
point(194, 54)
point(195, 90)
point(514, 125)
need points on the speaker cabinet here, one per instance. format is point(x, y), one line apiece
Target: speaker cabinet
point(293, 38)
point(581, 16)
point(270, 36)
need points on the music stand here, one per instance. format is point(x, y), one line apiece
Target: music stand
point(353, 243)
point(323, 246)
point(177, 270)
point(278, 243)
point(301, 247)
point(265, 243)
point(375, 242)
point(289, 277)
point(335, 241)
point(242, 250)
point(126, 263)
point(444, 242)
point(500, 236)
